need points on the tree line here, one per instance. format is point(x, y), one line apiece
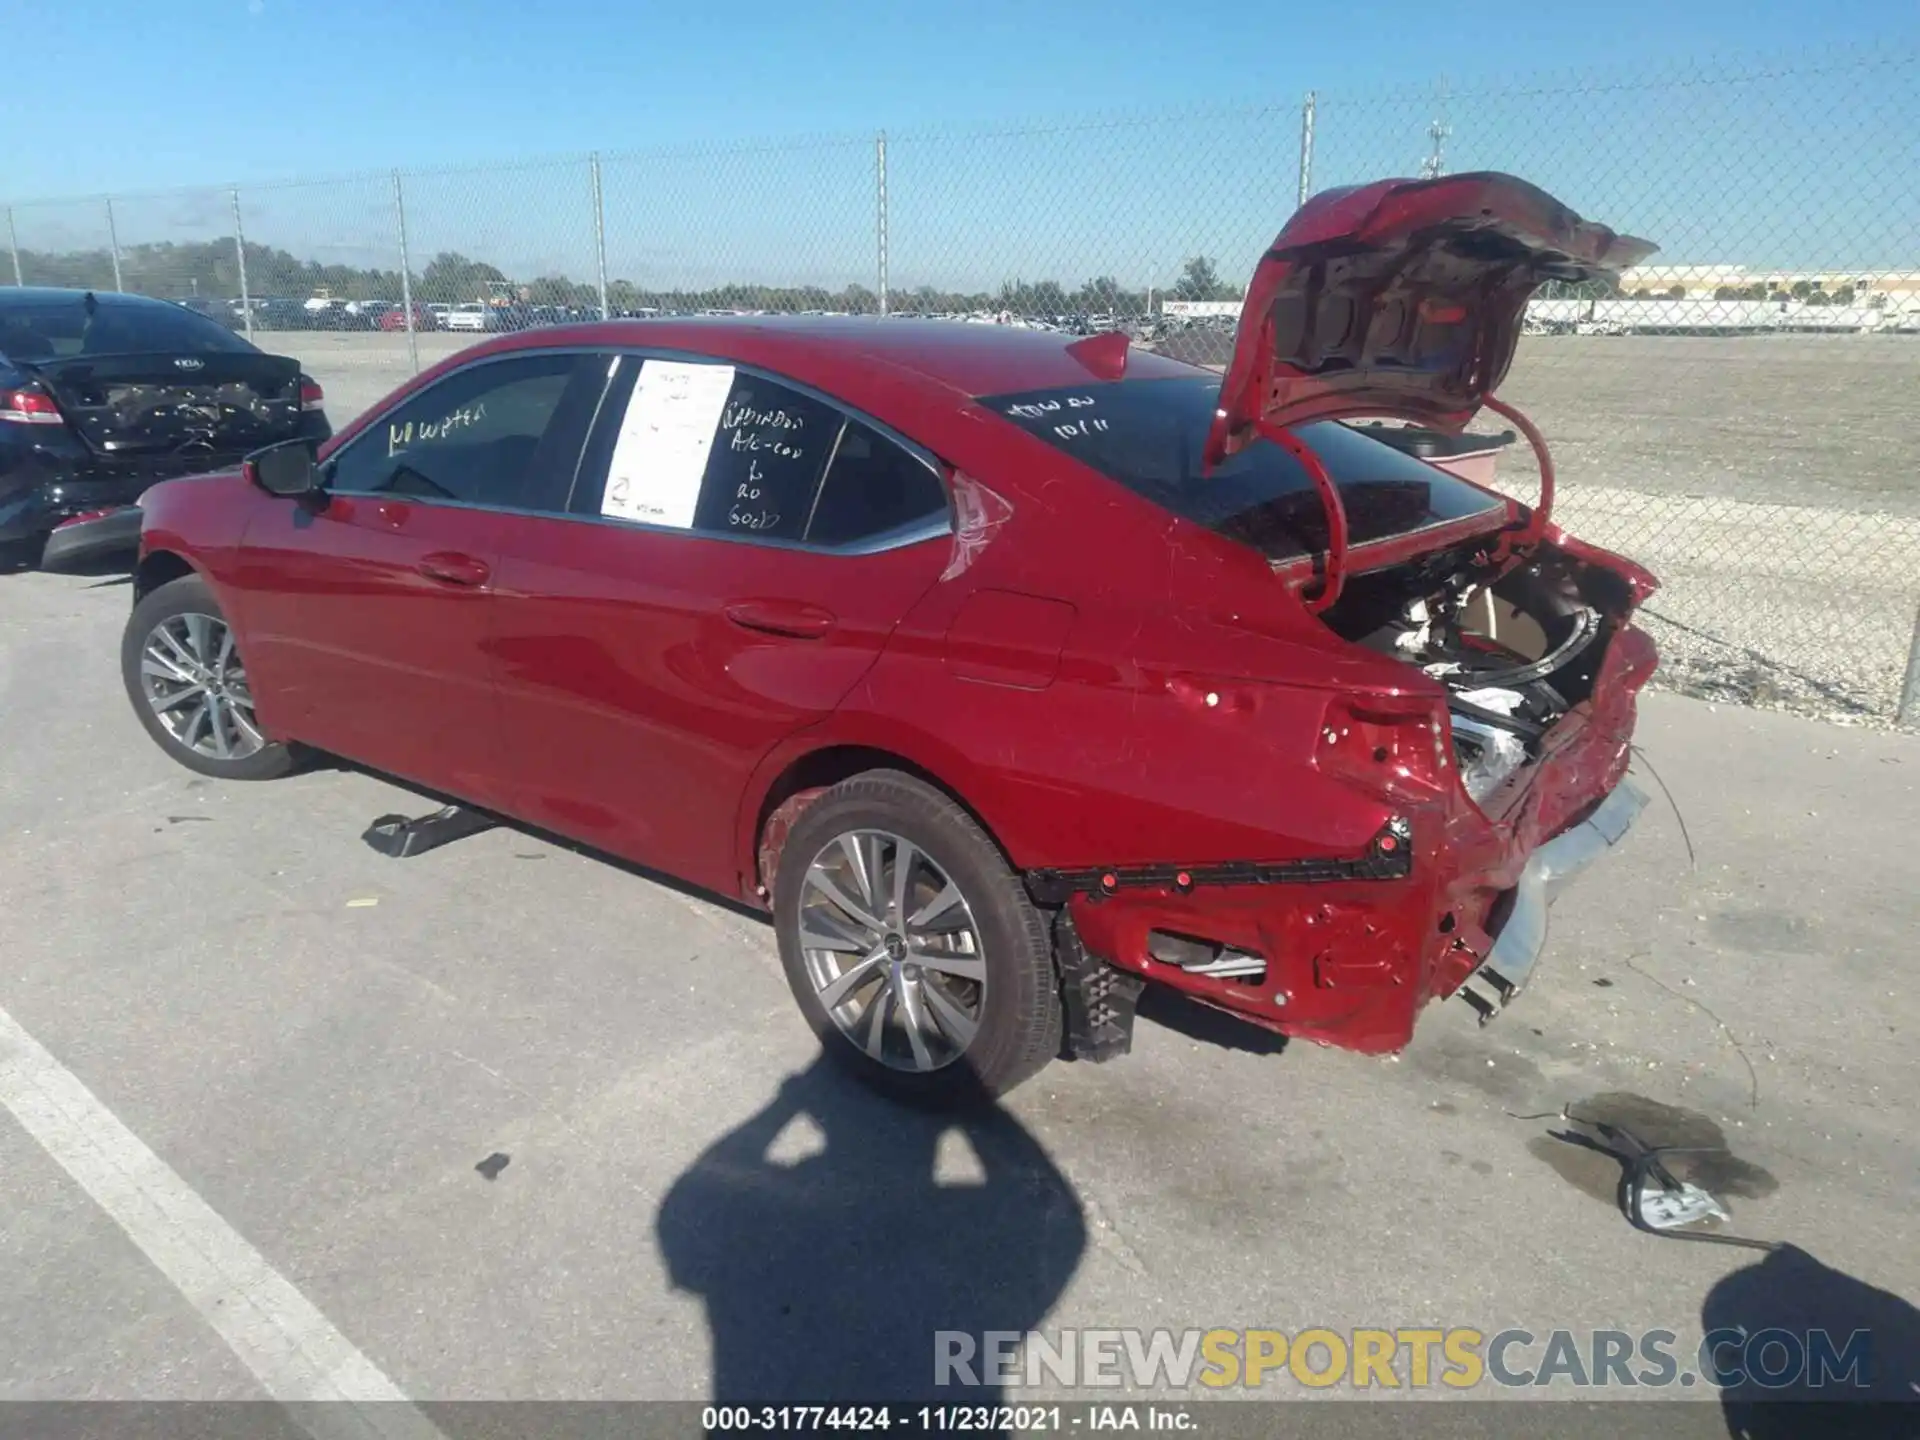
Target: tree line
point(210, 269)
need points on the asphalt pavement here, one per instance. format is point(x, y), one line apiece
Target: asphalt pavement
point(509, 1121)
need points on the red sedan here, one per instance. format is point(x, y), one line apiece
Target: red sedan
point(1009, 672)
point(395, 318)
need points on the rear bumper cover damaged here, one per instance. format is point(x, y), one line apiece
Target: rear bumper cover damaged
point(1516, 949)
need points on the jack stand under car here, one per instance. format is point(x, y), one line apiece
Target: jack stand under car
point(1098, 997)
point(399, 838)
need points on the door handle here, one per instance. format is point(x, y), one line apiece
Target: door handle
point(453, 568)
point(781, 617)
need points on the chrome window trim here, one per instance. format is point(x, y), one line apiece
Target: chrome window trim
point(917, 532)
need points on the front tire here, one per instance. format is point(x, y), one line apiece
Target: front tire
point(188, 683)
point(912, 948)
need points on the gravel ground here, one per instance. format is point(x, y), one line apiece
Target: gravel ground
point(1824, 421)
point(461, 1103)
point(1770, 481)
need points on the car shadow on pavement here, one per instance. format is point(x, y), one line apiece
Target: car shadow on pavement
point(1807, 1304)
point(1158, 1005)
point(1170, 1010)
point(311, 760)
point(827, 1273)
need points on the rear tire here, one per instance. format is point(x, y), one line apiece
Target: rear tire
point(188, 684)
point(937, 987)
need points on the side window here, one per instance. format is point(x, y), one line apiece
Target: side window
point(767, 457)
point(872, 487)
point(473, 437)
point(699, 445)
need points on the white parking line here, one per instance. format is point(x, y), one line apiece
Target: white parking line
point(274, 1330)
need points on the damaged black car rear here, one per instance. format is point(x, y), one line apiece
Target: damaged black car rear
point(103, 395)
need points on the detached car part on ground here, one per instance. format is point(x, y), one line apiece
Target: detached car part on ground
point(102, 396)
point(1011, 672)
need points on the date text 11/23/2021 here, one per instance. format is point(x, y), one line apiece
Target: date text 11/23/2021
point(945, 1419)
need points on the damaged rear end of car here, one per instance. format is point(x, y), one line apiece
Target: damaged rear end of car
point(102, 396)
point(1461, 783)
point(130, 408)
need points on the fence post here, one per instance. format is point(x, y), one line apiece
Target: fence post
point(1910, 686)
point(13, 244)
point(599, 231)
point(1306, 146)
point(1435, 165)
point(880, 177)
point(406, 275)
point(240, 258)
point(113, 244)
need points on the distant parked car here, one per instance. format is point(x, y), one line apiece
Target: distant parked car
point(102, 395)
point(471, 316)
point(337, 315)
point(395, 318)
point(221, 312)
point(502, 318)
point(277, 313)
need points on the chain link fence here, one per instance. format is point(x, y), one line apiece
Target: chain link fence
point(1738, 414)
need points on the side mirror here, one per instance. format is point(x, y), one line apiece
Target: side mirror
point(284, 469)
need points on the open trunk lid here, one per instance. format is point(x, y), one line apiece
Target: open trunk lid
point(1402, 298)
point(215, 403)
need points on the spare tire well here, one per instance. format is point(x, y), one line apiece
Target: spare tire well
point(805, 780)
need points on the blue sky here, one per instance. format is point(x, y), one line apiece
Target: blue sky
point(143, 96)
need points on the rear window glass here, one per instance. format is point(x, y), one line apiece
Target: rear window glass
point(1149, 436)
point(62, 330)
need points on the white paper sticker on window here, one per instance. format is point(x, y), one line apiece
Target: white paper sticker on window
point(660, 457)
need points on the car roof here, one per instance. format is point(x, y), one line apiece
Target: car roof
point(970, 357)
point(35, 296)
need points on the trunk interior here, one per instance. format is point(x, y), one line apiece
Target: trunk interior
point(1515, 652)
point(206, 404)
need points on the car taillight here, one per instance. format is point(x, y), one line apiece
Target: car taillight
point(28, 407)
point(1392, 745)
point(312, 397)
point(83, 517)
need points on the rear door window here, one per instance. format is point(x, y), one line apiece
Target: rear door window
point(503, 434)
point(1149, 435)
point(709, 447)
point(701, 445)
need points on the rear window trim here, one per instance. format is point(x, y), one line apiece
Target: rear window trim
point(1434, 535)
point(1500, 510)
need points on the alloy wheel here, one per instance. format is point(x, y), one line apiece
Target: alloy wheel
point(892, 950)
point(194, 681)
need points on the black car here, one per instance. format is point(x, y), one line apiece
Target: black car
point(277, 313)
point(103, 395)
